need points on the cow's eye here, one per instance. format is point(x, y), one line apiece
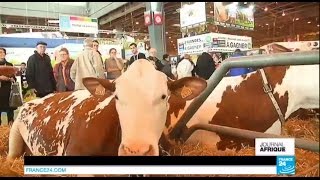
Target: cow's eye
point(116, 97)
point(163, 97)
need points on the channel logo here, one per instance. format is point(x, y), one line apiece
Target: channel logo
point(286, 165)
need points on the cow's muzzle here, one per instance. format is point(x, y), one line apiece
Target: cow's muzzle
point(137, 150)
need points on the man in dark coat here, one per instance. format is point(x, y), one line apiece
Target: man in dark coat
point(40, 72)
point(205, 66)
point(136, 54)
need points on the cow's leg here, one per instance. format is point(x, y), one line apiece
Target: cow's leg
point(16, 143)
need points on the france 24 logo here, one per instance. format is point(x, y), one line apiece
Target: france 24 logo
point(286, 165)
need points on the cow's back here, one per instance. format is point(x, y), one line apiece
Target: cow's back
point(302, 85)
point(67, 123)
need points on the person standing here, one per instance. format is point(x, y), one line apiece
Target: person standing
point(136, 54)
point(5, 89)
point(205, 66)
point(40, 72)
point(114, 65)
point(23, 78)
point(87, 64)
point(185, 67)
point(154, 60)
point(167, 66)
point(61, 72)
point(238, 71)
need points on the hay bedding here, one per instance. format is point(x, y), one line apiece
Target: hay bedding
point(307, 162)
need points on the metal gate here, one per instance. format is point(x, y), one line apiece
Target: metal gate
point(182, 133)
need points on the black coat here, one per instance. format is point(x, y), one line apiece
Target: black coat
point(205, 66)
point(5, 89)
point(40, 74)
point(134, 58)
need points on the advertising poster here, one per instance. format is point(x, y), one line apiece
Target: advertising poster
point(232, 15)
point(192, 14)
point(213, 42)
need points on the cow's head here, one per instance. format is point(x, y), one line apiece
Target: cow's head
point(142, 95)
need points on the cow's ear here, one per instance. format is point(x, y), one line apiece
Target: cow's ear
point(187, 88)
point(99, 87)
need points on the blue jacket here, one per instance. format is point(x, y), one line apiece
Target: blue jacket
point(238, 71)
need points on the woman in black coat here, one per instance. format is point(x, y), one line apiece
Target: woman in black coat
point(5, 89)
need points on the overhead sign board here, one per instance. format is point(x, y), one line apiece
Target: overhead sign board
point(78, 24)
point(213, 42)
point(193, 14)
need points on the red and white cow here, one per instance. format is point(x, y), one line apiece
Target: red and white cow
point(128, 116)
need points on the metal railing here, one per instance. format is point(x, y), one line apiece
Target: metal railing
point(282, 59)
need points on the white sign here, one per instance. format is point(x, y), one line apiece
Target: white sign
point(78, 24)
point(193, 14)
point(213, 42)
point(275, 146)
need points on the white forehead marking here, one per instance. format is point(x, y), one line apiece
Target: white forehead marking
point(101, 105)
point(142, 77)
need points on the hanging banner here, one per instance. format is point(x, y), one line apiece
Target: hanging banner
point(147, 18)
point(158, 18)
point(232, 15)
point(193, 14)
point(213, 42)
point(78, 24)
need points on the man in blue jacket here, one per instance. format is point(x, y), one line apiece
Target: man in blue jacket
point(238, 71)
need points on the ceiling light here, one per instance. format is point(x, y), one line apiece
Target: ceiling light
point(309, 22)
point(318, 25)
point(172, 41)
point(245, 3)
point(211, 12)
point(297, 19)
point(137, 22)
point(267, 24)
point(265, 9)
point(166, 32)
point(169, 37)
point(283, 14)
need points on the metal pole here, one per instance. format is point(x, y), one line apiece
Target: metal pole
point(281, 59)
point(242, 133)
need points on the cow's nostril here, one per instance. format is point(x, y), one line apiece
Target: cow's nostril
point(149, 151)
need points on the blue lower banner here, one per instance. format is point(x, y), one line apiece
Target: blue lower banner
point(210, 165)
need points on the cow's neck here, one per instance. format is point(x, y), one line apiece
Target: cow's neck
point(232, 98)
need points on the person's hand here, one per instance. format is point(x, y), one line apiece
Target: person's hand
point(33, 91)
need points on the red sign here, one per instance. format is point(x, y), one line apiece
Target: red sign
point(158, 18)
point(147, 18)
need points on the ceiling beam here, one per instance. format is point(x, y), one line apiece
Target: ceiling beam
point(115, 15)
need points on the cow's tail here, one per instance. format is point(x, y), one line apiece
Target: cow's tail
point(16, 142)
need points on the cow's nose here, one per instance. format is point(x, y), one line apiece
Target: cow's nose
point(136, 150)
